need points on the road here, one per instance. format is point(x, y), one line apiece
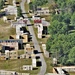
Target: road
point(36, 45)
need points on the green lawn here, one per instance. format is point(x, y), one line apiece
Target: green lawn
point(27, 9)
point(72, 73)
point(16, 65)
point(20, 52)
point(47, 17)
point(2, 23)
point(18, 0)
point(12, 17)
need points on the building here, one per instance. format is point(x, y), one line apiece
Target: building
point(20, 22)
point(42, 11)
point(37, 20)
point(54, 61)
point(21, 32)
point(22, 37)
point(13, 54)
point(28, 50)
point(40, 29)
point(11, 43)
point(17, 4)
point(28, 1)
point(6, 2)
point(3, 57)
point(68, 68)
point(45, 26)
point(53, 74)
point(7, 54)
point(27, 67)
point(14, 4)
point(12, 10)
point(60, 71)
point(34, 62)
point(42, 26)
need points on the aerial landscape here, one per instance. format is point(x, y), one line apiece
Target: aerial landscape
point(37, 37)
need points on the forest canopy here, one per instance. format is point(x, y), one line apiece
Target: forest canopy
point(62, 30)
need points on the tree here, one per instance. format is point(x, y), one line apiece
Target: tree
point(31, 5)
point(67, 17)
point(62, 45)
point(57, 27)
point(1, 4)
point(71, 5)
point(34, 4)
point(73, 19)
point(19, 11)
point(72, 56)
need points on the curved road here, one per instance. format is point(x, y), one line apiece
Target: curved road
point(36, 45)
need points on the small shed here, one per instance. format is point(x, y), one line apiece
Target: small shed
point(54, 61)
point(27, 67)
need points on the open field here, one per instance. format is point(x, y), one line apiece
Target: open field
point(16, 65)
point(72, 73)
point(18, 0)
point(6, 30)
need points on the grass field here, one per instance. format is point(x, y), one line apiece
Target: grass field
point(72, 73)
point(18, 0)
point(16, 65)
point(10, 2)
point(6, 30)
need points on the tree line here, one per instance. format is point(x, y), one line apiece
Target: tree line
point(1, 4)
point(62, 30)
point(35, 3)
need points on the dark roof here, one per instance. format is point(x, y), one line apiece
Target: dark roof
point(17, 2)
point(37, 21)
point(38, 8)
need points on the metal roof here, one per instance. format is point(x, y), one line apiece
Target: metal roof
point(12, 40)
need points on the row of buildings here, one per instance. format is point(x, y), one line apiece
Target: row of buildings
point(6, 54)
point(9, 48)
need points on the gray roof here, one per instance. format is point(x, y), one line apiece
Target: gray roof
point(12, 40)
point(45, 23)
point(53, 74)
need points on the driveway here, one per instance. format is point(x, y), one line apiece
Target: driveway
point(36, 45)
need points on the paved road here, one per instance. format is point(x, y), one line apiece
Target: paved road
point(36, 45)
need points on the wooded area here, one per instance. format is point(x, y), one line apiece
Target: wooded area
point(1, 4)
point(35, 3)
point(62, 30)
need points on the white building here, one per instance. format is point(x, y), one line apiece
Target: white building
point(19, 24)
point(54, 61)
point(14, 3)
point(40, 29)
point(28, 1)
point(11, 10)
point(34, 62)
point(27, 67)
point(42, 11)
